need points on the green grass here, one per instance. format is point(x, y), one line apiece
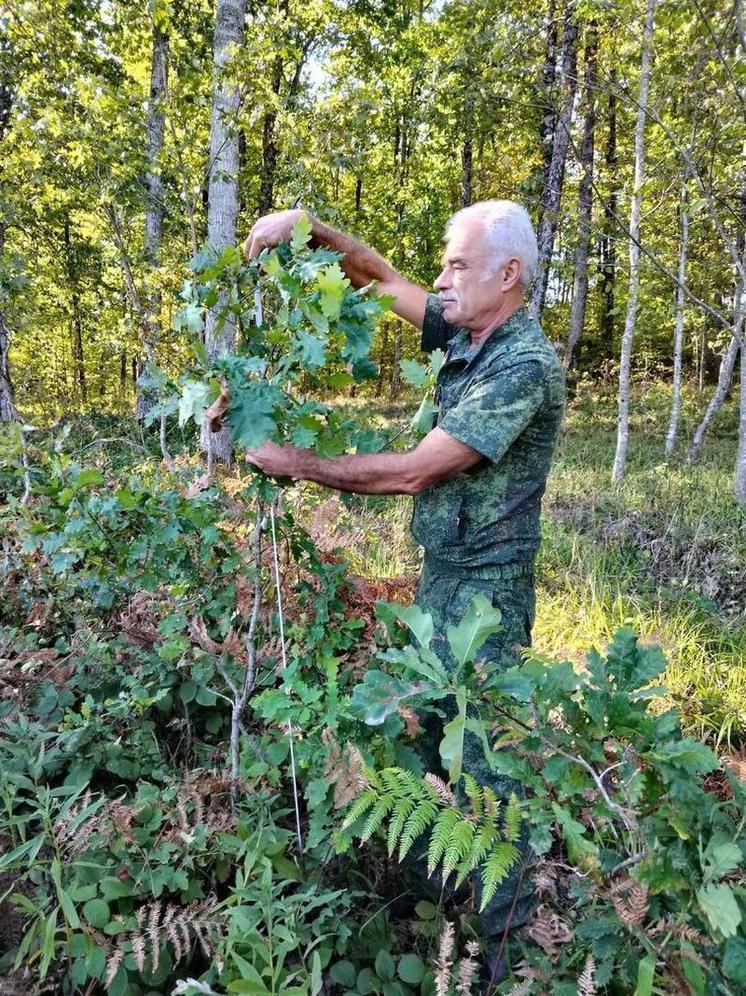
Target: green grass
point(664, 552)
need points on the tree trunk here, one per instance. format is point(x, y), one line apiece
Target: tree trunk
point(552, 193)
point(727, 365)
point(222, 210)
point(77, 318)
point(608, 241)
point(395, 383)
point(678, 335)
point(548, 80)
point(625, 365)
point(8, 410)
point(585, 197)
point(467, 154)
point(739, 489)
point(149, 319)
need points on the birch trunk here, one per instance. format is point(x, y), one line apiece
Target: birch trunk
point(725, 377)
point(585, 198)
point(625, 364)
point(552, 193)
point(156, 123)
point(222, 193)
point(548, 81)
point(678, 335)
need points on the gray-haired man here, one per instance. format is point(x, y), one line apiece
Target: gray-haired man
point(478, 476)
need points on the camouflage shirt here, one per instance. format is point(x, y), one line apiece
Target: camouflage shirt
point(505, 399)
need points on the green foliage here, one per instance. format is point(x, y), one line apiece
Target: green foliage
point(315, 336)
point(461, 838)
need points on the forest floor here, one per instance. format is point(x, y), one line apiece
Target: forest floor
point(664, 553)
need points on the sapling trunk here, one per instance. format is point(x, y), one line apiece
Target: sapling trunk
point(678, 338)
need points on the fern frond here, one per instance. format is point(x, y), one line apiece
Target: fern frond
point(495, 869)
point(458, 847)
point(443, 792)
point(440, 837)
point(361, 805)
point(475, 795)
point(491, 802)
point(512, 820)
point(417, 822)
point(484, 840)
point(402, 811)
point(383, 806)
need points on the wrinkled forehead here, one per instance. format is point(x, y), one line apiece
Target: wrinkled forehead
point(467, 240)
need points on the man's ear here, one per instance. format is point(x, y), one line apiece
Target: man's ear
point(511, 273)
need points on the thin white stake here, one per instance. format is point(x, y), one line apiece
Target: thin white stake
point(284, 665)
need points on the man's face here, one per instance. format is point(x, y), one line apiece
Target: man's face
point(469, 285)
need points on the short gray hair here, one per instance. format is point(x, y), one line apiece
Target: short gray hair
point(509, 232)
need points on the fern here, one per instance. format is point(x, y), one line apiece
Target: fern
point(416, 824)
point(378, 814)
point(401, 814)
point(441, 837)
point(475, 795)
point(512, 820)
point(495, 868)
point(460, 841)
point(361, 806)
point(458, 847)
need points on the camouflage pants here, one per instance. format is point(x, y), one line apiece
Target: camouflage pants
point(447, 597)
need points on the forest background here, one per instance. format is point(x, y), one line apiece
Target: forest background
point(138, 144)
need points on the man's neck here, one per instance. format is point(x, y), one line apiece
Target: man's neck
point(494, 321)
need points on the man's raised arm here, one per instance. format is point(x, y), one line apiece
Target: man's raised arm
point(360, 263)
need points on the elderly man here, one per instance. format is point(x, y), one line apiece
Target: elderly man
point(478, 476)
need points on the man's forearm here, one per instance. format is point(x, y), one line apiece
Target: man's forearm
point(368, 473)
point(361, 263)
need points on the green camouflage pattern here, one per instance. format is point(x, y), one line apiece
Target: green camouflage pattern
point(504, 398)
point(480, 530)
point(447, 599)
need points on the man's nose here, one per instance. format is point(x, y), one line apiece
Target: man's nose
point(441, 281)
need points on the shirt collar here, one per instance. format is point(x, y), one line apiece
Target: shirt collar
point(460, 347)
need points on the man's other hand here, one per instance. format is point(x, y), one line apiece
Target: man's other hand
point(270, 230)
point(276, 461)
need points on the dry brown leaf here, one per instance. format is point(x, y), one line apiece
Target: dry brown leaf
point(215, 413)
point(630, 900)
point(139, 621)
point(412, 727)
point(199, 484)
point(549, 932)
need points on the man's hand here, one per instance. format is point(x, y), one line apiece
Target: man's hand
point(270, 230)
point(277, 461)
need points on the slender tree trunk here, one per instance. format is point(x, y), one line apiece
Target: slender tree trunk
point(678, 335)
point(270, 148)
point(739, 489)
point(702, 360)
point(358, 194)
point(223, 185)
point(154, 210)
point(725, 377)
point(8, 410)
point(625, 365)
point(549, 115)
point(467, 154)
point(552, 193)
point(395, 383)
point(608, 241)
point(77, 318)
point(585, 197)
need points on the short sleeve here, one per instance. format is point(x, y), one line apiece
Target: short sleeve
point(496, 409)
point(436, 332)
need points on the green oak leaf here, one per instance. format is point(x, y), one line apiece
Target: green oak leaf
point(381, 694)
point(332, 284)
point(451, 747)
point(480, 622)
